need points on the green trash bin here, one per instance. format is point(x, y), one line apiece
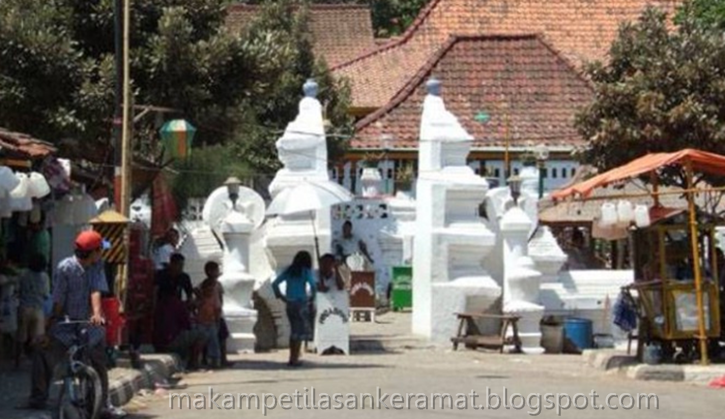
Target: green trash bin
point(402, 290)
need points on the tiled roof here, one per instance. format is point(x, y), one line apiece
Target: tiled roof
point(581, 29)
point(519, 81)
point(18, 145)
point(341, 32)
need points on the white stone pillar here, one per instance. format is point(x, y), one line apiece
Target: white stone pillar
point(450, 241)
point(521, 281)
point(238, 283)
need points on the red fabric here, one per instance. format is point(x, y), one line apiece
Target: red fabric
point(164, 207)
point(718, 382)
point(701, 161)
point(114, 320)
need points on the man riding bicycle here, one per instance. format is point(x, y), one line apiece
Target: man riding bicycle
point(78, 283)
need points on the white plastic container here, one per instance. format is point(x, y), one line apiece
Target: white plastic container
point(625, 212)
point(609, 215)
point(38, 187)
point(641, 216)
point(21, 191)
point(8, 180)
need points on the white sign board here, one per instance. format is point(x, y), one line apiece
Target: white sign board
point(332, 321)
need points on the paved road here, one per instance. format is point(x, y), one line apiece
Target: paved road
point(426, 372)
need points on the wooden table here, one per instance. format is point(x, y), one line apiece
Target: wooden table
point(471, 336)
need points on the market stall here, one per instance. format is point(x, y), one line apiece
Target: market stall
point(677, 271)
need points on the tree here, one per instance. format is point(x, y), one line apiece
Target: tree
point(661, 91)
point(709, 13)
point(285, 23)
point(389, 17)
point(57, 75)
point(48, 87)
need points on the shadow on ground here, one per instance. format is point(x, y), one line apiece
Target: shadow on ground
point(263, 365)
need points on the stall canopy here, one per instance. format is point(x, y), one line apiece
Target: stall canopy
point(692, 160)
point(701, 161)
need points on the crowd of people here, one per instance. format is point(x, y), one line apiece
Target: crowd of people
point(188, 320)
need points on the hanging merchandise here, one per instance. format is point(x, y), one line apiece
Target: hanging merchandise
point(8, 180)
point(38, 186)
point(20, 199)
point(625, 213)
point(36, 214)
point(609, 215)
point(55, 173)
point(641, 216)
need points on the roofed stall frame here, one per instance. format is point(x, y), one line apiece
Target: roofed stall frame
point(701, 242)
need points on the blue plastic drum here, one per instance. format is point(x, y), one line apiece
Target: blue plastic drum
point(579, 332)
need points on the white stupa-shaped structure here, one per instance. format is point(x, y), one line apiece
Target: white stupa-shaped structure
point(451, 241)
point(302, 150)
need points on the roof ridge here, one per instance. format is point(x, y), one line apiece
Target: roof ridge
point(405, 37)
point(427, 67)
point(410, 84)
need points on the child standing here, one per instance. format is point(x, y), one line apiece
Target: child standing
point(210, 311)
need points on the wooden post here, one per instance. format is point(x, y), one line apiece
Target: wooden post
point(126, 151)
point(696, 266)
point(655, 187)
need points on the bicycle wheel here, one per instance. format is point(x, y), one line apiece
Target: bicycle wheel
point(88, 393)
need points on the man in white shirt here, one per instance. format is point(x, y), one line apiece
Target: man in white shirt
point(350, 244)
point(167, 247)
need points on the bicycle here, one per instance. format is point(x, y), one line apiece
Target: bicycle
point(81, 393)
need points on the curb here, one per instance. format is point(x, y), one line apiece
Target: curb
point(627, 365)
point(156, 368)
point(607, 360)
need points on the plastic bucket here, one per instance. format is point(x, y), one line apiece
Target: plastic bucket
point(552, 338)
point(579, 333)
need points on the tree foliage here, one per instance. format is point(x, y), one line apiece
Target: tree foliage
point(389, 17)
point(662, 90)
point(708, 13)
point(284, 23)
point(57, 74)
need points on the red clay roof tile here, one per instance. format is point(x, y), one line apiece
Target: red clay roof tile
point(18, 145)
point(581, 29)
point(341, 31)
point(521, 82)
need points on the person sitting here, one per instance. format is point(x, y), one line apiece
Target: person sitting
point(349, 243)
point(329, 274)
point(297, 277)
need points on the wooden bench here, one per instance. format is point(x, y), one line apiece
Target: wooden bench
point(470, 335)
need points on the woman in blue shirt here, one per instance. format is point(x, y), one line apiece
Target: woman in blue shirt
point(297, 277)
